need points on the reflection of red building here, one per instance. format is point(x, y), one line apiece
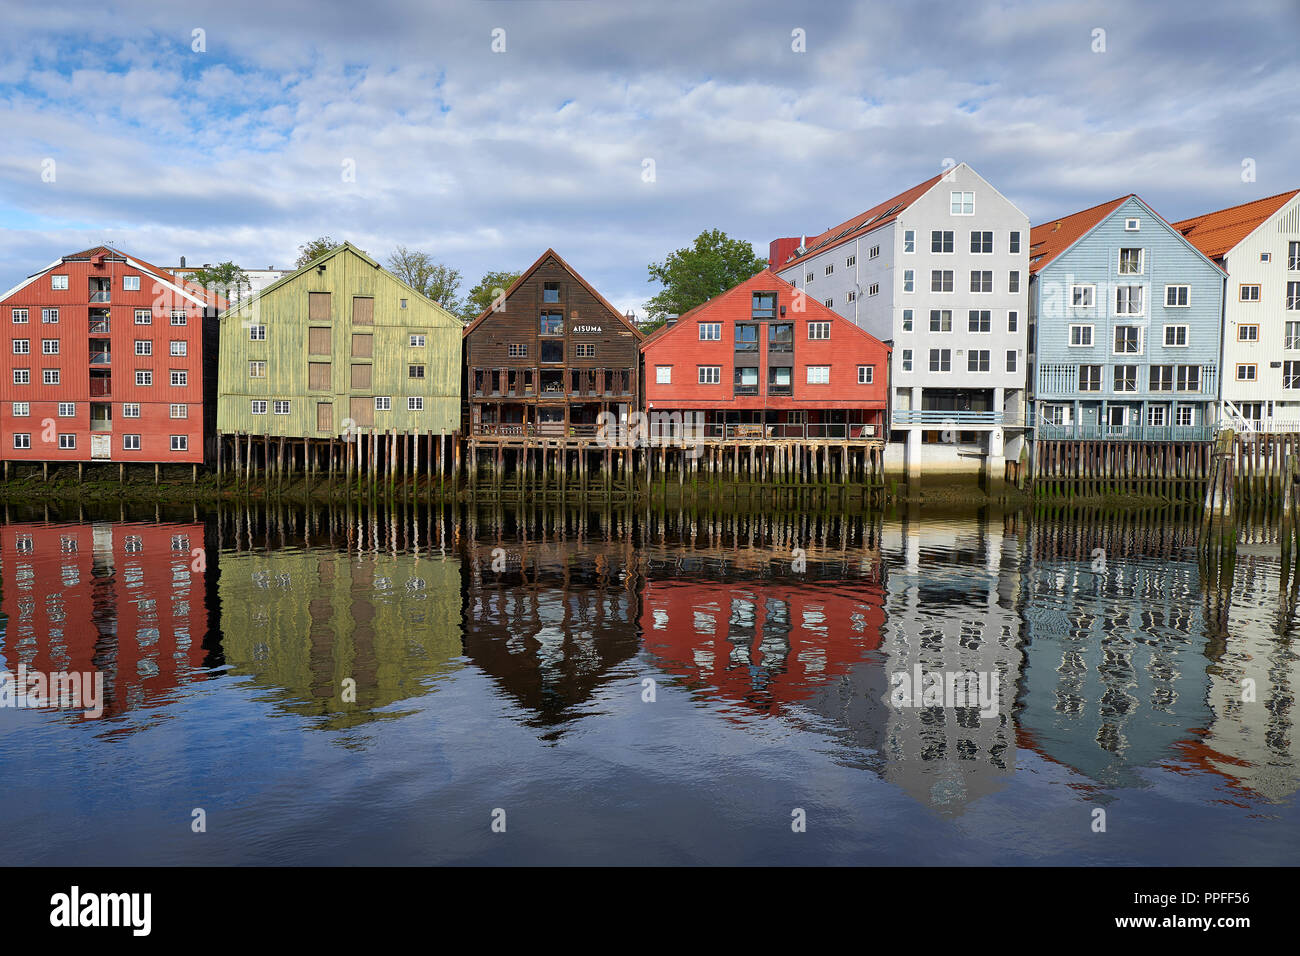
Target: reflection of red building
point(763, 643)
point(124, 599)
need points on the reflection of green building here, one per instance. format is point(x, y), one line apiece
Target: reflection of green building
point(303, 622)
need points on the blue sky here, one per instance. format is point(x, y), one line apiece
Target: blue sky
point(484, 159)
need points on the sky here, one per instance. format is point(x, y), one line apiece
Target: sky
point(485, 131)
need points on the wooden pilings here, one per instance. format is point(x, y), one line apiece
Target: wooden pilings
point(1157, 469)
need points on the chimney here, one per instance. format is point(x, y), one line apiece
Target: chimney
point(182, 262)
point(671, 321)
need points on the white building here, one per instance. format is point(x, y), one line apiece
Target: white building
point(258, 279)
point(941, 273)
point(1258, 245)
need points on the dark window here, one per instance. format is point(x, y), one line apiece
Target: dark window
point(550, 292)
point(764, 306)
point(553, 352)
point(746, 380)
point(780, 337)
point(551, 323)
point(746, 338)
point(780, 380)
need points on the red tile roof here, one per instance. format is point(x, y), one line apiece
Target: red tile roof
point(874, 217)
point(1217, 233)
point(1049, 240)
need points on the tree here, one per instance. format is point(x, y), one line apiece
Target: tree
point(488, 289)
point(711, 265)
point(311, 251)
point(433, 279)
point(225, 279)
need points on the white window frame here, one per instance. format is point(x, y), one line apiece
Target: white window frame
point(173, 406)
point(1092, 336)
point(822, 375)
point(130, 442)
point(710, 331)
point(143, 317)
point(180, 442)
point(1245, 366)
point(22, 376)
point(282, 406)
point(67, 409)
point(257, 333)
point(143, 347)
point(866, 374)
point(178, 347)
point(1141, 340)
point(416, 341)
point(710, 375)
point(1241, 292)
point(415, 403)
point(50, 376)
point(178, 377)
point(257, 364)
point(22, 440)
point(143, 377)
point(1177, 345)
point(130, 283)
point(383, 403)
point(1174, 305)
point(257, 406)
point(1142, 261)
point(663, 374)
point(21, 409)
point(15, 313)
point(819, 331)
point(130, 409)
point(1141, 294)
point(59, 282)
point(959, 204)
point(67, 441)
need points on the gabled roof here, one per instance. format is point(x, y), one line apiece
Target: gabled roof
point(551, 253)
point(1218, 233)
point(191, 290)
point(1049, 240)
point(812, 306)
point(289, 277)
point(878, 215)
point(651, 336)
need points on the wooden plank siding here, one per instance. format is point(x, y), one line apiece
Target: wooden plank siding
point(315, 355)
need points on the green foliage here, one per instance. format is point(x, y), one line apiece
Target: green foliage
point(225, 279)
point(487, 289)
point(433, 279)
point(691, 276)
point(311, 251)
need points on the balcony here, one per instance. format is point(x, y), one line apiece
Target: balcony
point(938, 418)
point(99, 325)
point(101, 295)
point(101, 386)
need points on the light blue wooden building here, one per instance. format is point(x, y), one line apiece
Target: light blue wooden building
point(1125, 325)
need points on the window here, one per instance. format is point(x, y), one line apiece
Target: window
point(50, 376)
point(981, 243)
point(585, 350)
point(1248, 333)
point(67, 409)
point(780, 380)
point(180, 443)
point(1290, 375)
point(49, 346)
point(981, 281)
point(907, 320)
point(809, 278)
point(1189, 378)
point(829, 269)
point(130, 283)
point(1081, 336)
point(130, 442)
point(383, 403)
point(710, 331)
point(1162, 378)
point(417, 371)
point(909, 280)
point(1013, 280)
point(851, 261)
point(22, 346)
point(1156, 415)
point(416, 341)
point(58, 282)
point(746, 338)
point(257, 369)
point(401, 303)
point(963, 203)
point(1126, 378)
point(143, 377)
point(257, 333)
point(22, 376)
point(22, 440)
point(979, 320)
point(850, 296)
point(829, 303)
point(941, 280)
point(866, 374)
point(131, 410)
point(143, 317)
point(1293, 296)
point(550, 292)
point(819, 374)
point(179, 377)
point(873, 289)
point(1292, 339)
point(941, 240)
point(21, 409)
point(178, 317)
point(875, 251)
point(1132, 225)
point(780, 337)
point(663, 374)
point(1128, 340)
point(940, 360)
point(415, 403)
point(1013, 321)
point(746, 380)
point(143, 347)
point(1177, 296)
point(1249, 293)
point(819, 330)
point(1246, 373)
point(178, 348)
point(1082, 296)
point(20, 316)
point(551, 323)
point(50, 316)
point(1013, 242)
point(909, 240)
point(1090, 378)
point(941, 320)
point(1130, 262)
point(1011, 360)
point(281, 407)
point(258, 406)
point(763, 304)
point(517, 350)
point(977, 360)
point(1128, 300)
point(1293, 257)
point(179, 411)
point(710, 374)
point(67, 442)
point(552, 353)
point(907, 360)
point(1186, 415)
point(1175, 336)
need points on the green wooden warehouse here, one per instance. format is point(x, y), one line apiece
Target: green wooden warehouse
point(340, 363)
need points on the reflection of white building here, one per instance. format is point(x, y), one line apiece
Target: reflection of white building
point(258, 279)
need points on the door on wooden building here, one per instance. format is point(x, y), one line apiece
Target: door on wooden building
point(325, 417)
point(101, 447)
point(362, 412)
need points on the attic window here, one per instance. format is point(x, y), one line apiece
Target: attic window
point(550, 292)
point(1132, 225)
point(764, 305)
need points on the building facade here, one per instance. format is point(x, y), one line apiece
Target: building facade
point(549, 357)
point(763, 360)
point(339, 345)
point(1258, 245)
point(939, 272)
point(105, 362)
point(1126, 327)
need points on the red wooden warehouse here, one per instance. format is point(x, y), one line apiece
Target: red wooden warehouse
point(762, 360)
point(104, 362)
